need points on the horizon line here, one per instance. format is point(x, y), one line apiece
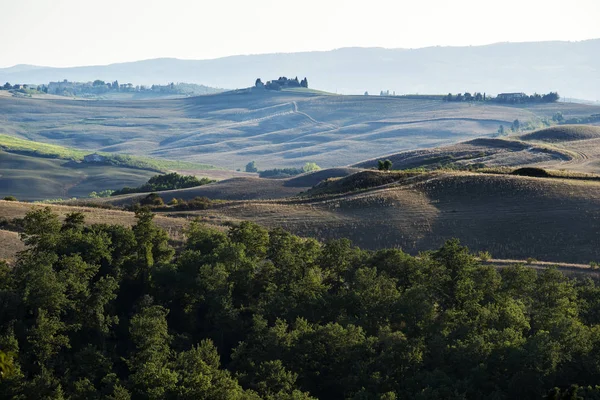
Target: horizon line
point(294, 52)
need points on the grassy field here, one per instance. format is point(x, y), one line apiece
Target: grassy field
point(38, 149)
point(10, 244)
point(276, 129)
point(37, 178)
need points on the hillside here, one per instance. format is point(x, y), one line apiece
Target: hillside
point(501, 67)
point(482, 152)
point(108, 311)
point(574, 148)
point(563, 133)
point(513, 217)
point(241, 188)
point(38, 171)
point(276, 129)
point(37, 178)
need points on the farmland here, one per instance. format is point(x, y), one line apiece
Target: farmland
point(276, 129)
point(514, 217)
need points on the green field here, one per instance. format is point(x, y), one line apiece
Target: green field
point(37, 149)
point(28, 177)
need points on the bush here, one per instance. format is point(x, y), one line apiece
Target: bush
point(384, 165)
point(251, 167)
point(484, 256)
point(530, 171)
point(153, 200)
point(280, 172)
point(310, 167)
point(10, 198)
point(101, 194)
point(197, 203)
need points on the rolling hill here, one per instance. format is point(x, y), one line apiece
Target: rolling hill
point(513, 217)
point(567, 67)
point(276, 129)
point(36, 178)
point(38, 171)
point(573, 148)
point(240, 188)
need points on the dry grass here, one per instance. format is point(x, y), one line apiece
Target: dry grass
point(564, 133)
point(488, 152)
point(239, 188)
point(514, 217)
point(10, 244)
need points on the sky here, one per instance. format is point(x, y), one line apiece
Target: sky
point(63, 33)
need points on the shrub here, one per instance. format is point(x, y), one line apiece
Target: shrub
point(251, 167)
point(280, 172)
point(197, 203)
point(152, 200)
point(384, 165)
point(101, 194)
point(310, 167)
point(10, 198)
point(529, 171)
point(484, 256)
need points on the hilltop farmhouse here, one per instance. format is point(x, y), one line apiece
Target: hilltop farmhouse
point(511, 96)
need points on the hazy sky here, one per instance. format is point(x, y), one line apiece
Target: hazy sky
point(89, 32)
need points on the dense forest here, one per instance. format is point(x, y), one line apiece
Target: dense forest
point(101, 311)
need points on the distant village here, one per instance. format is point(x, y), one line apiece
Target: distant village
point(100, 87)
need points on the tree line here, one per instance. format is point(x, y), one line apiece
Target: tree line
point(99, 87)
point(511, 98)
point(163, 182)
point(104, 311)
point(282, 172)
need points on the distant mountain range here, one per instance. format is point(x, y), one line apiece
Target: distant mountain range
point(571, 68)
